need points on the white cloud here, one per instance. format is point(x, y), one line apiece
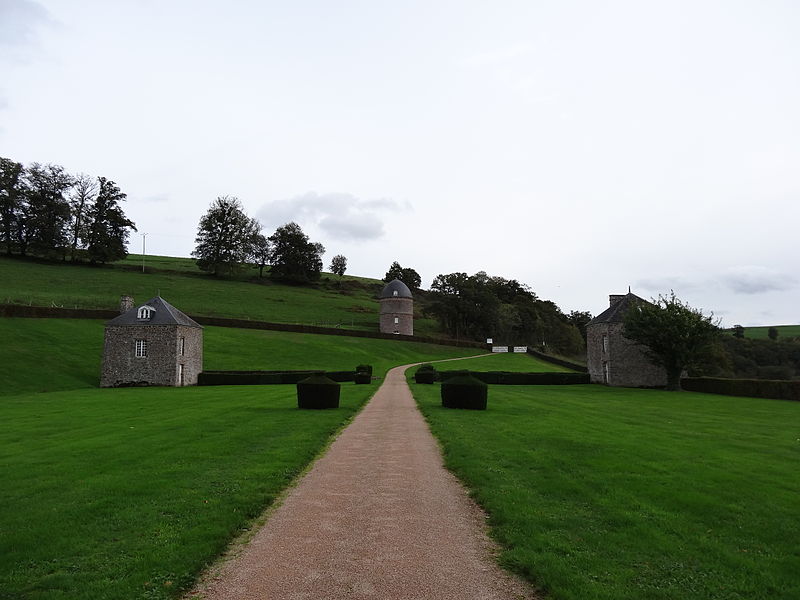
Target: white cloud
point(342, 216)
point(751, 279)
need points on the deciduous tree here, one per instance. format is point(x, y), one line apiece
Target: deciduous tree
point(675, 335)
point(108, 228)
point(12, 198)
point(48, 211)
point(225, 237)
point(338, 265)
point(293, 256)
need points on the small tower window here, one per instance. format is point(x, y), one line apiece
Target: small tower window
point(396, 320)
point(144, 313)
point(182, 345)
point(394, 292)
point(141, 348)
point(605, 343)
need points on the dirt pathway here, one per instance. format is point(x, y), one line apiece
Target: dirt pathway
point(377, 517)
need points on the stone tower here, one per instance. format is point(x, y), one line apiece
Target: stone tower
point(612, 358)
point(152, 344)
point(397, 309)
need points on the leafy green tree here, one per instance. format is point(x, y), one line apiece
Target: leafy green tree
point(81, 199)
point(338, 265)
point(407, 275)
point(48, 210)
point(108, 228)
point(225, 237)
point(738, 331)
point(12, 198)
point(261, 249)
point(675, 335)
point(293, 256)
point(580, 319)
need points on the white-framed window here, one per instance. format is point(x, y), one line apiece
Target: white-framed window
point(605, 344)
point(144, 313)
point(141, 348)
point(182, 346)
point(397, 320)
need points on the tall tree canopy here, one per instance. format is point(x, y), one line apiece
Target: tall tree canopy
point(407, 275)
point(293, 256)
point(12, 196)
point(108, 227)
point(676, 336)
point(225, 237)
point(48, 211)
point(338, 265)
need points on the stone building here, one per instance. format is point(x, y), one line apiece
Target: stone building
point(397, 309)
point(151, 344)
point(612, 358)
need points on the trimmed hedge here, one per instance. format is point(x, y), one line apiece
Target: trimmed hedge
point(364, 369)
point(512, 378)
point(753, 388)
point(425, 376)
point(558, 361)
point(318, 392)
point(464, 391)
point(362, 377)
point(266, 377)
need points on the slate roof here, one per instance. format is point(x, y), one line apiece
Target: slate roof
point(616, 312)
point(163, 314)
point(396, 285)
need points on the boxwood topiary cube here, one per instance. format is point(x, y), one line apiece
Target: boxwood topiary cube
point(425, 374)
point(364, 368)
point(362, 377)
point(318, 391)
point(464, 391)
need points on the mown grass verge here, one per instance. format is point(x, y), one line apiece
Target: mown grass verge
point(351, 304)
point(607, 493)
point(130, 493)
point(43, 355)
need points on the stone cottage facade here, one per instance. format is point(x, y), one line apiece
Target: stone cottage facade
point(397, 309)
point(151, 344)
point(612, 358)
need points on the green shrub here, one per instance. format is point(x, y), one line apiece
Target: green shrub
point(512, 378)
point(464, 391)
point(426, 367)
point(318, 391)
point(754, 388)
point(362, 377)
point(265, 377)
point(364, 369)
point(425, 374)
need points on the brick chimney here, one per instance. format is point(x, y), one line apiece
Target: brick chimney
point(125, 304)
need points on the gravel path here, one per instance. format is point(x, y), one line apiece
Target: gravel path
point(377, 517)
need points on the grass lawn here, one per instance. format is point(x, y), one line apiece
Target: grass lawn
point(83, 286)
point(129, 493)
point(762, 333)
point(610, 493)
point(505, 361)
point(72, 350)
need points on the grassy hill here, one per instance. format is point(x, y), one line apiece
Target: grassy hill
point(350, 303)
point(762, 333)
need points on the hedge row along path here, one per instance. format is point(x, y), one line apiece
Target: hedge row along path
point(378, 517)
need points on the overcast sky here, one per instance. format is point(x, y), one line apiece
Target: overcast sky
point(579, 147)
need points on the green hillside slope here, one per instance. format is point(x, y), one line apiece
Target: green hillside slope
point(350, 303)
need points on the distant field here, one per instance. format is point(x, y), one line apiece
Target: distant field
point(622, 494)
point(60, 354)
point(353, 305)
point(762, 333)
point(129, 493)
point(506, 361)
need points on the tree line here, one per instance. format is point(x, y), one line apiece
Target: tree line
point(47, 212)
point(229, 240)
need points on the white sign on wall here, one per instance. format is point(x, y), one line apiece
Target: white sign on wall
point(499, 348)
point(522, 349)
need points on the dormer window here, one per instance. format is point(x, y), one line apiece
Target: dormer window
point(394, 292)
point(145, 312)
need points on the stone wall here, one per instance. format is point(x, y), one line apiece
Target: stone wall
point(161, 366)
point(625, 360)
point(400, 308)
